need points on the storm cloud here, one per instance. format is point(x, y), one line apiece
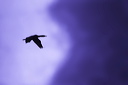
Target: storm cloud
point(99, 34)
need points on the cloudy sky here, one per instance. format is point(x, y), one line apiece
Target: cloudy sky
point(26, 64)
point(99, 33)
point(86, 42)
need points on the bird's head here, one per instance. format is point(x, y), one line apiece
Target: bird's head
point(24, 39)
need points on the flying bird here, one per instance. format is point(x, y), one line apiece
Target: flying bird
point(35, 39)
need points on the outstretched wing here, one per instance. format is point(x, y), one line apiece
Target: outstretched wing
point(42, 36)
point(38, 43)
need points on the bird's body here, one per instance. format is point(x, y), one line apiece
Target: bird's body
point(35, 39)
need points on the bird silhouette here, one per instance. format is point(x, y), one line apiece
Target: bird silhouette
point(35, 39)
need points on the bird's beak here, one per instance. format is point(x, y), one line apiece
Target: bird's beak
point(24, 39)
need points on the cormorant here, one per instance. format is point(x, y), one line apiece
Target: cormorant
point(35, 39)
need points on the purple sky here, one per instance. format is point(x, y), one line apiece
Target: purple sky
point(86, 44)
point(26, 64)
point(99, 34)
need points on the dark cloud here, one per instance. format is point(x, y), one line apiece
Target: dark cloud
point(99, 32)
